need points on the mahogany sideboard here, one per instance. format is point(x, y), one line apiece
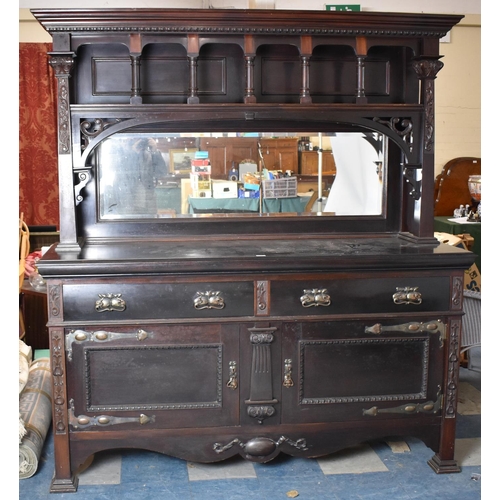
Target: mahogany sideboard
point(206, 336)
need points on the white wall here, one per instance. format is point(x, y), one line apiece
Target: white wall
point(428, 6)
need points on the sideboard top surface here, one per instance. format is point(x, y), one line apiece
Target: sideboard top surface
point(251, 255)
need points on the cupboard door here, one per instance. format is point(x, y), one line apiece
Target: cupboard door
point(360, 370)
point(162, 376)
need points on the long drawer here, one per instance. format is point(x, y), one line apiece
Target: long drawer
point(359, 296)
point(136, 301)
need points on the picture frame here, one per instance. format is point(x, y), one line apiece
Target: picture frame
point(180, 160)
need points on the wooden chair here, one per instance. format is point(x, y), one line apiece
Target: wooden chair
point(451, 188)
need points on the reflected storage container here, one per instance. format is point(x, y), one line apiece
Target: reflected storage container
point(280, 188)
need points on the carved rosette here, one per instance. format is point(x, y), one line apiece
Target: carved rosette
point(62, 65)
point(427, 70)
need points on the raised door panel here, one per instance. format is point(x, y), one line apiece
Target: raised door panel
point(362, 371)
point(156, 377)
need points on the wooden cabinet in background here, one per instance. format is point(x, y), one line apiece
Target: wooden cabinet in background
point(281, 154)
point(277, 154)
point(309, 163)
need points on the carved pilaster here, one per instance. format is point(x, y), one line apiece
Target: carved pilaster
point(60, 416)
point(62, 65)
point(261, 386)
point(451, 392)
point(427, 70)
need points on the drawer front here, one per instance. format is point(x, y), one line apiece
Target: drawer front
point(359, 296)
point(136, 301)
point(152, 376)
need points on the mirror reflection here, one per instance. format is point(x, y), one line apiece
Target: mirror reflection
point(151, 174)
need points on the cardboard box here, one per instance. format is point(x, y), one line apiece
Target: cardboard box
point(472, 276)
point(224, 189)
point(202, 193)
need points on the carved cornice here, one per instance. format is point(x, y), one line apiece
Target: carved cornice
point(253, 30)
point(245, 22)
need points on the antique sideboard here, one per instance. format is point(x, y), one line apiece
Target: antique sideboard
point(203, 336)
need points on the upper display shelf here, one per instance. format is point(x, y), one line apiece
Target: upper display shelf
point(141, 74)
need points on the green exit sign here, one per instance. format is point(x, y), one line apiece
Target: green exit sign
point(350, 7)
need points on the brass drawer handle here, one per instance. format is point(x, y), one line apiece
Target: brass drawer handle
point(315, 297)
point(209, 300)
point(110, 302)
point(407, 295)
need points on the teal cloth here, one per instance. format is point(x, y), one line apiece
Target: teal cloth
point(296, 204)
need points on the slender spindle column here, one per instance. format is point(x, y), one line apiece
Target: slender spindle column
point(249, 68)
point(135, 62)
point(360, 91)
point(193, 54)
point(306, 52)
point(249, 89)
point(361, 53)
point(305, 96)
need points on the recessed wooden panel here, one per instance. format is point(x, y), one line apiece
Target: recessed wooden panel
point(161, 377)
point(286, 74)
point(165, 75)
point(363, 370)
point(121, 83)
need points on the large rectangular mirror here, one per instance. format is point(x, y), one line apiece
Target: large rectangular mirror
point(187, 175)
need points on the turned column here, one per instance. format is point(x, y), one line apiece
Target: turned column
point(360, 70)
point(135, 62)
point(193, 54)
point(305, 57)
point(249, 70)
